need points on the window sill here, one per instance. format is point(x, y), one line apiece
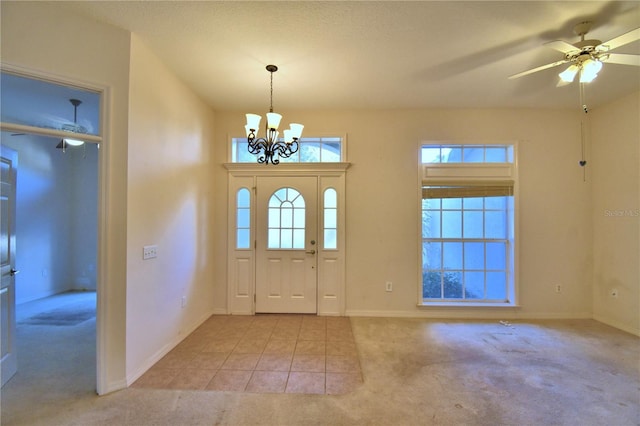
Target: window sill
point(466, 305)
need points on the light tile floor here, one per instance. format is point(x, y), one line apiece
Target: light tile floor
point(262, 353)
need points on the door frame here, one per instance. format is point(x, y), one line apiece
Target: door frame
point(241, 263)
point(105, 329)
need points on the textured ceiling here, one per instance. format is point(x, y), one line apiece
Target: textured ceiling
point(375, 55)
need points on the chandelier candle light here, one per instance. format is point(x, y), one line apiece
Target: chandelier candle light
point(272, 147)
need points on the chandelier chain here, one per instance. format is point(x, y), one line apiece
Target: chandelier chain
point(271, 94)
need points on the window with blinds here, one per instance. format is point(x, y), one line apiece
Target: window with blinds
point(468, 236)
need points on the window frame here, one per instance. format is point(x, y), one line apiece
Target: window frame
point(249, 209)
point(277, 204)
point(336, 212)
point(455, 174)
point(304, 139)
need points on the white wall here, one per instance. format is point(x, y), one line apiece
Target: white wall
point(83, 216)
point(56, 214)
point(45, 37)
point(170, 203)
point(615, 161)
point(382, 205)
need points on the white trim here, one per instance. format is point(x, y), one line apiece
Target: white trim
point(150, 362)
point(488, 313)
point(465, 304)
point(102, 307)
point(472, 172)
point(616, 324)
point(103, 386)
point(285, 169)
point(43, 131)
point(343, 145)
point(114, 386)
point(331, 174)
point(52, 78)
point(240, 304)
point(479, 173)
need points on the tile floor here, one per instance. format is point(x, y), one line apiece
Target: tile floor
point(262, 353)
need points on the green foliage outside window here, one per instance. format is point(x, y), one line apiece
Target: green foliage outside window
point(448, 284)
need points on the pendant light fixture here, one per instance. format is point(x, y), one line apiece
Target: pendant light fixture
point(272, 147)
point(65, 142)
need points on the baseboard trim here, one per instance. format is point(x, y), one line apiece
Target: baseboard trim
point(483, 314)
point(114, 387)
point(150, 362)
point(219, 311)
point(617, 324)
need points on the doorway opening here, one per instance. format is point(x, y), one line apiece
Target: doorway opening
point(55, 129)
point(56, 260)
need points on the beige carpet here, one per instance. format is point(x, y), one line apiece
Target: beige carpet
point(415, 372)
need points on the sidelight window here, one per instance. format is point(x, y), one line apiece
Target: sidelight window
point(330, 219)
point(243, 219)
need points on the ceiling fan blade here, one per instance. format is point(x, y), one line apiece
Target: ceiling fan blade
point(543, 67)
point(623, 59)
point(616, 42)
point(562, 46)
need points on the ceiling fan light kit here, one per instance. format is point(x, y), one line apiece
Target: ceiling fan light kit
point(588, 68)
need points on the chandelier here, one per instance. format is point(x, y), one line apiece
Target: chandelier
point(272, 147)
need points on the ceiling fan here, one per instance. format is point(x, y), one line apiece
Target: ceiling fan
point(75, 128)
point(586, 56)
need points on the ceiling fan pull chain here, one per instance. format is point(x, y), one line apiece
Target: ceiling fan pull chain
point(583, 131)
point(583, 102)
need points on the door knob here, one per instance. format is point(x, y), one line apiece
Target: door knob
point(13, 272)
point(311, 252)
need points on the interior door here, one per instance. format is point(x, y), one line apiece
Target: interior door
point(286, 250)
point(8, 360)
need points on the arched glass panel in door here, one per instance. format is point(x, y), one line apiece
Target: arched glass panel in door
point(286, 224)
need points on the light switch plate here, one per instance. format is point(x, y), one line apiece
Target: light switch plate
point(149, 252)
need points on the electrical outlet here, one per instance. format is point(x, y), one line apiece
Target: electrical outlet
point(388, 286)
point(149, 252)
point(558, 288)
point(614, 293)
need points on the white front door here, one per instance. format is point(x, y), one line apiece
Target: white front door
point(286, 249)
point(8, 360)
